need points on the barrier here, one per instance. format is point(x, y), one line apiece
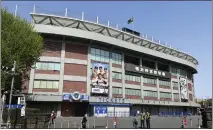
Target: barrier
point(174, 114)
point(182, 125)
point(198, 123)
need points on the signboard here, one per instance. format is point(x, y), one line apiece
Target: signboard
point(85, 97)
point(76, 96)
point(146, 70)
point(21, 100)
point(100, 79)
point(111, 100)
point(14, 106)
point(183, 89)
point(66, 97)
point(99, 90)
point(100, 111)
point(23, 111)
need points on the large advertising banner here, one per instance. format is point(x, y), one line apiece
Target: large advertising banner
point(183, 89)
point(100, 111)
point(100, 79)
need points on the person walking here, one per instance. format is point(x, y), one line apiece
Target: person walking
point(115, 122)
point(52, 117)
point(148, 120)
point(142, 120)
point(84, 121)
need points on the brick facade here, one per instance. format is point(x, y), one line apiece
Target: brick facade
point(75, 69)
point(74, 86)
point(52, 49)
point(47, 72)
point(76, 51)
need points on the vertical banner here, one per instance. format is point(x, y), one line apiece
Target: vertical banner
point(100, 78)
point(183, 89)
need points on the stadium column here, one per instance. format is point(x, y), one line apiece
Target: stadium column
point(187, 85)
point(32, 74)
point(110, 73)
point(156, 67)
point(142, 96)
point(178, 76)
point(171, 84)
point(88, 69)
point(61, 78)
point(123, 76)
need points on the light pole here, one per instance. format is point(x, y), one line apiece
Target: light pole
point(11, 92)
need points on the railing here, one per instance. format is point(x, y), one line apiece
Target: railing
point(86, 17)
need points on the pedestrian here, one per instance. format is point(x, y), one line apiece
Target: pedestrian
point(142, 120)
point(52, 117)
point(115, 122)
point(135, 122)
point(84, 121)
point(148, 116)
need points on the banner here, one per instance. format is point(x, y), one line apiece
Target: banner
point(183, 89)
point(100, 79)
point(100, 111)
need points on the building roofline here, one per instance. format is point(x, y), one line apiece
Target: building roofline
point(111, 32)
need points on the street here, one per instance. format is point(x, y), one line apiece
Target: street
point(124, 122)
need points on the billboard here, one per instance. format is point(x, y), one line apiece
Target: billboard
point(183, 89)
point(100, 111)
point(100, 78)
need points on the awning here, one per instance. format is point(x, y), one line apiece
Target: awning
point(111, 104)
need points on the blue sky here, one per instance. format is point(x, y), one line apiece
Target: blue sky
point(186, 26)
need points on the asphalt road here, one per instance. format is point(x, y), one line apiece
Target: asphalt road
point(125, 122)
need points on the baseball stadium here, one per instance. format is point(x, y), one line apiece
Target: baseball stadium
point(107, 70)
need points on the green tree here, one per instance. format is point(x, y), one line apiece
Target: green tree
point(20, 43)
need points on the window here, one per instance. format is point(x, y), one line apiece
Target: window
point(150, 93)
point(133, 78)
point(182, 72)
point(48, 66)
point(176, 95)
point(149, 81)
point(133, 92)
point(46, 84)
point(164, 83)
point(189, 76)
point(165, 95)
point(116, 75)
point(175, 85)
point(116, 58)
point(100, 55)
point(116, 90)
point(174, 70)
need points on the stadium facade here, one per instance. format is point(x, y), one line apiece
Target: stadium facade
point(87, 67)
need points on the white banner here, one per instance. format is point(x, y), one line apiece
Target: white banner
point(23, 111)
point(99, 90)
point(183, 88)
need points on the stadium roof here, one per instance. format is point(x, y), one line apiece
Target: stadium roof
point(82, 24)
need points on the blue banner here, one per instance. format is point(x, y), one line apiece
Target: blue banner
point(85, 97)
point(66, 97)
point(100, 110)
point(14, 106)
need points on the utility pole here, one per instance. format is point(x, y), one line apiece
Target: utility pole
point(11, 92)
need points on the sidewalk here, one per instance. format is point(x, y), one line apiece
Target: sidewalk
point(124, 122)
